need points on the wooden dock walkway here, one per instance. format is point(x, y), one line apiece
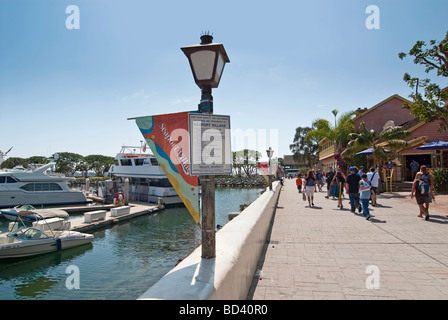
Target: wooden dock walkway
point(136, 210)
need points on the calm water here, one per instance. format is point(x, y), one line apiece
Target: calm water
point(122, 262)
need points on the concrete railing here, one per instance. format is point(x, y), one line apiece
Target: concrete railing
point(228, 276)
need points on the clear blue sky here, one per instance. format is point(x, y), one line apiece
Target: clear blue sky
point(291, 62)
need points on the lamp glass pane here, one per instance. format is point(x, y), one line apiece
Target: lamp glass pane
point(203, 63)
point(219, 68)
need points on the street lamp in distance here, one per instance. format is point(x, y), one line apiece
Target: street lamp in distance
point(270, 153)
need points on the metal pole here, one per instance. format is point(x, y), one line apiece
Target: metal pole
point(270, 173)
point(208, 191)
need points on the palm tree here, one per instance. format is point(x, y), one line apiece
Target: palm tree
point(338, 134)
point(392, 136)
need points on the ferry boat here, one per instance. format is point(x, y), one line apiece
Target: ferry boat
point(147, 181)
point(38, 187)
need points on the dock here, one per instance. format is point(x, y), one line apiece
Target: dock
point(136, 210)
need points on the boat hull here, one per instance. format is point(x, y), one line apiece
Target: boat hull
point(25, 249)
point(10, 199)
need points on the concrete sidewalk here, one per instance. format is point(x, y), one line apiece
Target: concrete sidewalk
point(324, 252)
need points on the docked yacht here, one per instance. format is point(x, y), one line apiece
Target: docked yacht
point(147, 181)
point(38, 188)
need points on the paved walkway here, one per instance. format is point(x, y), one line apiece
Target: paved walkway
point(327, 253)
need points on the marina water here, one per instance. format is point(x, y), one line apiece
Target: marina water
point(122, 262)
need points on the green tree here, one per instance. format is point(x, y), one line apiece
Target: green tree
point(14, 161)
point(303, 150)
point(38, 160)
point(67, 162)
point(338, 133)
point(433, 106)
point(392, 136)
point(98, 163)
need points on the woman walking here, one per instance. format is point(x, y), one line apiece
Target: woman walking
point(420, 194)
point(310, 187)
point(338, 185)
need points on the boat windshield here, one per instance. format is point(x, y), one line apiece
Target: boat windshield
point(30, 234)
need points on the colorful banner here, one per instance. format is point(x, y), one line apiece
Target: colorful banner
point(264, 169)
point(167, 136)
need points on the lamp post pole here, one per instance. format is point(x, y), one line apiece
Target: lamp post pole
point(208, 190)
point(270, 152)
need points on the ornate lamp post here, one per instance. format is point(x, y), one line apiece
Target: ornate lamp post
point(270, 153)
point(207, 61)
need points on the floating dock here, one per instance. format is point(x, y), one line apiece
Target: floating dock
point(136, 210)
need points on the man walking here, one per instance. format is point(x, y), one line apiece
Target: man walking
point(374, 179)
point(414, 168)
point(352, 188)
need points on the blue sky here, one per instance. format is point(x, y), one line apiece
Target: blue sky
point(291, 62)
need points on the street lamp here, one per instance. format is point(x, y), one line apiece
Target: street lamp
point(270, 153)
point(207, 61)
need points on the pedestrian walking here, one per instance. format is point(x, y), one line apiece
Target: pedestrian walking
point(310, 187)
point(414, 168)
point(319, 180)
point(374, 179)
point(364, 190)
point(352, 188)
point(420, 192)
point(338, 187)
point(429, 180)
point(299, 183)
point(328, 179)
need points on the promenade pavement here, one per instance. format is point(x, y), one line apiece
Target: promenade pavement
point(323, 252)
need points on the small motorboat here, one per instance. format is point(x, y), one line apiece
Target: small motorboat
point(28, 212)
point(45, 235)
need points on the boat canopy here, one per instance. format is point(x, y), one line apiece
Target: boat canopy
point(45, 213)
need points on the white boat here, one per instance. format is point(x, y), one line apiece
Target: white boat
point(46, 235)
point(38, 188)
point(147, 180)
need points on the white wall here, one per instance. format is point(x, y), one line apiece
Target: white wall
point(228, 276)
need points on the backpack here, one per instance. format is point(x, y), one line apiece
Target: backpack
point(309, 182)
point(423, 187)
point(330, 175)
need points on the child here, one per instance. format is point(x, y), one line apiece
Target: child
point(364, 189)
point(299, 182)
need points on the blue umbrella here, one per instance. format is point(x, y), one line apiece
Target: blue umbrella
point(435, 145)
point(369, 152)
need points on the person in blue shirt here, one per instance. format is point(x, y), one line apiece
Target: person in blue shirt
point(364, 190)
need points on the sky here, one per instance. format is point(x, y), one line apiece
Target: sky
point(73, 89)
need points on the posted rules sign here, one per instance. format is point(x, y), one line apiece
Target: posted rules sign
point(210, 152)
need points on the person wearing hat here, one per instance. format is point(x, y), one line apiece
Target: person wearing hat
point(352, 188)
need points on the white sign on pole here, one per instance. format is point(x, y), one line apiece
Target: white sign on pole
point(210, 144)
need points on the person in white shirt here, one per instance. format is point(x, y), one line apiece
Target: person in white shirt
point(374, 179)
